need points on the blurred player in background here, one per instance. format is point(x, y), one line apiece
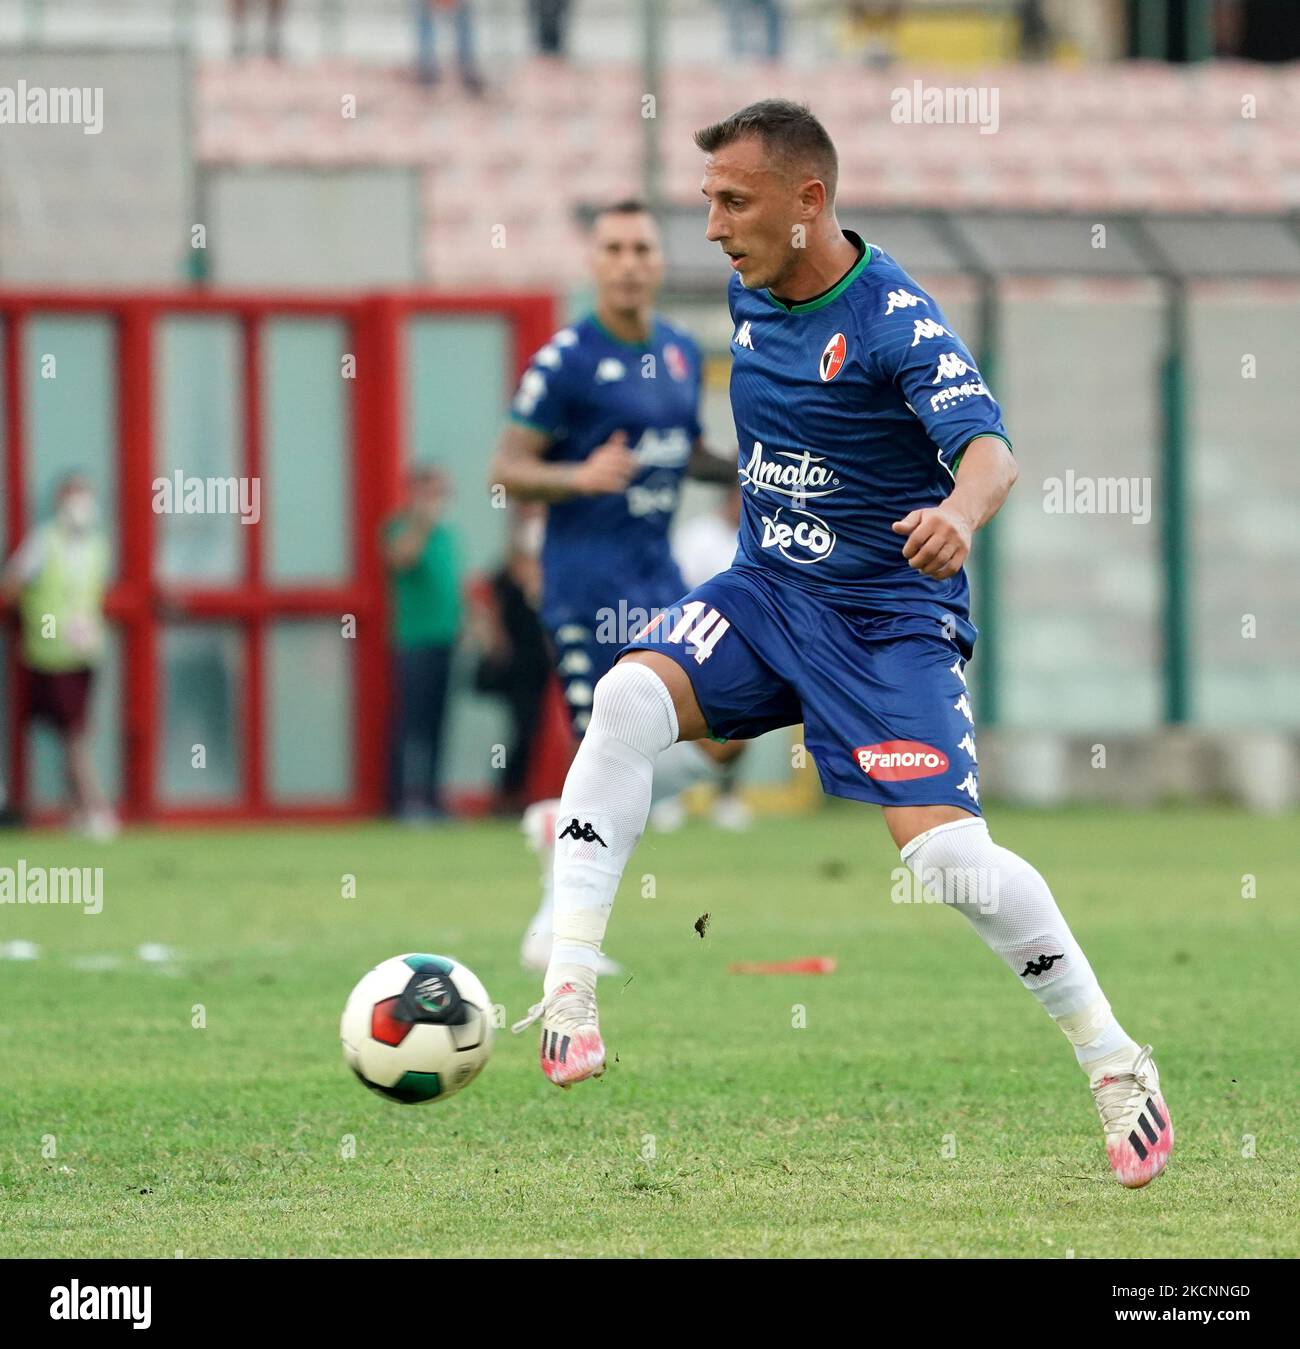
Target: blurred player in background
point(58, 577)
point(871, 452)
point(604, 427)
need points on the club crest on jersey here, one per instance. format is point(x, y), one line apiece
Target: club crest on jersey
point(900, 760)
point(832, 360)
point(675, 362)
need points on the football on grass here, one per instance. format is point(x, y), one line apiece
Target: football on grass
point(417, 1028)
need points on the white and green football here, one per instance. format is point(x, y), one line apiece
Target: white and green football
point(417, 1028)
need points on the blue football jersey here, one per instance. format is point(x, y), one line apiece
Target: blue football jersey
point(851, 410)
point(580, 388)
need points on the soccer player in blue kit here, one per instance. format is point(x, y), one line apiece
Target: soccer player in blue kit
point(870, 453)
point(604, 427)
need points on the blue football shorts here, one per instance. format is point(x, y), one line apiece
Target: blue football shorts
point(882, 697)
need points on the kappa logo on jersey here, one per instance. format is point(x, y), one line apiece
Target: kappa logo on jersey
point(531, 388)
point(923, 328)
point(902, 299)
point(803, 477)
point(609, 370)
point(951, 366)
point(743, 337)
point(676, 362)
point(900, 760)
point(832, 361)
point(799, 536)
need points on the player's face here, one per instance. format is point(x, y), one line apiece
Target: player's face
point(626, 261)
point(753, 209)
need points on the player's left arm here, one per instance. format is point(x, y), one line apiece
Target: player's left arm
point(705, 466)
point(939, 537)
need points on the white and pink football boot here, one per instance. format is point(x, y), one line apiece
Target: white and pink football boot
point(1134, 1117)
point(571, 1047)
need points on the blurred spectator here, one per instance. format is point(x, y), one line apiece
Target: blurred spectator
point(420, 551)
point(755, 27)
point(462, 19)
point(551, 26)
point(274, 16)
point(58, 577)
point(1036, 41)
point(868, 31)
point(515, 664)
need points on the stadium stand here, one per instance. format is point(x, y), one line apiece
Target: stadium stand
point(1119, 138)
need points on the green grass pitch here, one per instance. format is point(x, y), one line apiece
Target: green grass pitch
point(926, 1108)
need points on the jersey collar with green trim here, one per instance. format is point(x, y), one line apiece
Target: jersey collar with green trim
point(838, 289)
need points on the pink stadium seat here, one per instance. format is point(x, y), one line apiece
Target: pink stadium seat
point(1127, 136)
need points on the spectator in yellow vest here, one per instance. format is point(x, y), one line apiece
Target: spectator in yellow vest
point(58, 577)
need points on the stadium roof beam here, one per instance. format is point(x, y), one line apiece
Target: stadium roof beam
point(1025, 243)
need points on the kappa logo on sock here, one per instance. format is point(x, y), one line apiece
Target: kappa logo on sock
point(1041, 966)
point(583, 833)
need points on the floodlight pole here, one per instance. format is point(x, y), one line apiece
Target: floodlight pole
point(985, 565)
point(651, 67)
point(1175, 537)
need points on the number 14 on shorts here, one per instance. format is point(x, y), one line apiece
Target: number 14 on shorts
point(699, 627)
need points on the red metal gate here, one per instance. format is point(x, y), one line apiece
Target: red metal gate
point(137, 601)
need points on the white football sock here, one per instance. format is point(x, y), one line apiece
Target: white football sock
point(1012, 909)
point(680, 766)
point(603, 812)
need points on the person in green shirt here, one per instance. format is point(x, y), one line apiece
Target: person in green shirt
point(58, 577)
point(420, 552)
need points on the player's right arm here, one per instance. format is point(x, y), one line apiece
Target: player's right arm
point(520, 467)
point(544, 408)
